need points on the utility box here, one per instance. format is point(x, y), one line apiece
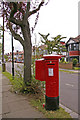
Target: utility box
point(49, 68)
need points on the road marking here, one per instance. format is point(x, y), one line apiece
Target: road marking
point(69, 85)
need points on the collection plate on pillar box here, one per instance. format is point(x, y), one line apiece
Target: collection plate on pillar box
point(50, 72)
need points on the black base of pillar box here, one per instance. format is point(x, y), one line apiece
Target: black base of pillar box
point(52, 103)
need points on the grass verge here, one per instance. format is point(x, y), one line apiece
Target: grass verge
point(76, 68)
point(0, 68)
point(8, 75)
point(67, 71)
point(37, 102)
point(60, 113)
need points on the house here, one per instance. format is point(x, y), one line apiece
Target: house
point(9, 56)
point(18, 56)
point(73, 48)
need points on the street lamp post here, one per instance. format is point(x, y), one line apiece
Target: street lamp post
point(12, 57)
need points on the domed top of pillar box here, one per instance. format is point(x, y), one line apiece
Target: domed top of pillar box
point(51, 57)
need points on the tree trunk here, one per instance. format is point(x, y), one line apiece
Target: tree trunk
point(27, 54)
point(27, 64)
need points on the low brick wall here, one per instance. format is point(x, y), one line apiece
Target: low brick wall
point(78, 65)
point(66, 65)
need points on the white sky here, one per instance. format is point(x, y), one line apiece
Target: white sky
point(58, 17)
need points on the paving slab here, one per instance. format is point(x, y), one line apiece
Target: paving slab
point(19, 105)
point(5, 108)
point(0, 88)
point(5, 82)
point(0, 117)
point(4, 100)
point(8, 93)
point(6, 88)
point(0, 81)
point(0, 99)
point(16, 98)
point(0, 108)
point(26, 113)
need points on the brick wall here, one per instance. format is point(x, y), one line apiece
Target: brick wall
point(66, 65)
point(74, 53)
point(78, 65)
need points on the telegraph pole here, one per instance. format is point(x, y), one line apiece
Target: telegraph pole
point(12, 57)
point(3, 63)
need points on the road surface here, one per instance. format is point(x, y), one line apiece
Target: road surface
point(69, 90)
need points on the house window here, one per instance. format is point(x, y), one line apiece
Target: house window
point(77, 46)
point(73, 47)
point(70, 47)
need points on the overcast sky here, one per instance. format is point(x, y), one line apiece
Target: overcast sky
point(58, 17)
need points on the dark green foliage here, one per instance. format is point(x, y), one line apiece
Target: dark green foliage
point(6, 57)
point(75, 61)
point(62, 60)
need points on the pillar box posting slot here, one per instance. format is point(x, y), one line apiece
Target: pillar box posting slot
point(50, 70)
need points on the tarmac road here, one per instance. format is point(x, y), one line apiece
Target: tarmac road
point(69, 89)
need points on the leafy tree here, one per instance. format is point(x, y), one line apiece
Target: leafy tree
point(6, 57)
point(17, 15)
point(54, 44)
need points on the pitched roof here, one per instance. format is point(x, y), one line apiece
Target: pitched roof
point(76, 39)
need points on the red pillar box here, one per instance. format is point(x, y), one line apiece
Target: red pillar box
point(47, 70)
point(40, 70)
point(52, 82)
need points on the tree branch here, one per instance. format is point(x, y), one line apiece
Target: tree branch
point(34, 11)
point(28, 6)
point(17, 22)
point(16, 36)
point(27, 12)
point(13, 11)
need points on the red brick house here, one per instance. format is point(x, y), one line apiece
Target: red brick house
point(73, 48)
point(18, 56)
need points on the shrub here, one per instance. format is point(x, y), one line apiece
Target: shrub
point(62, 60)
point(36, 86)
point(75, 61)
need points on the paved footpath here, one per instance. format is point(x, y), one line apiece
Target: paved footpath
point(14, 105)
